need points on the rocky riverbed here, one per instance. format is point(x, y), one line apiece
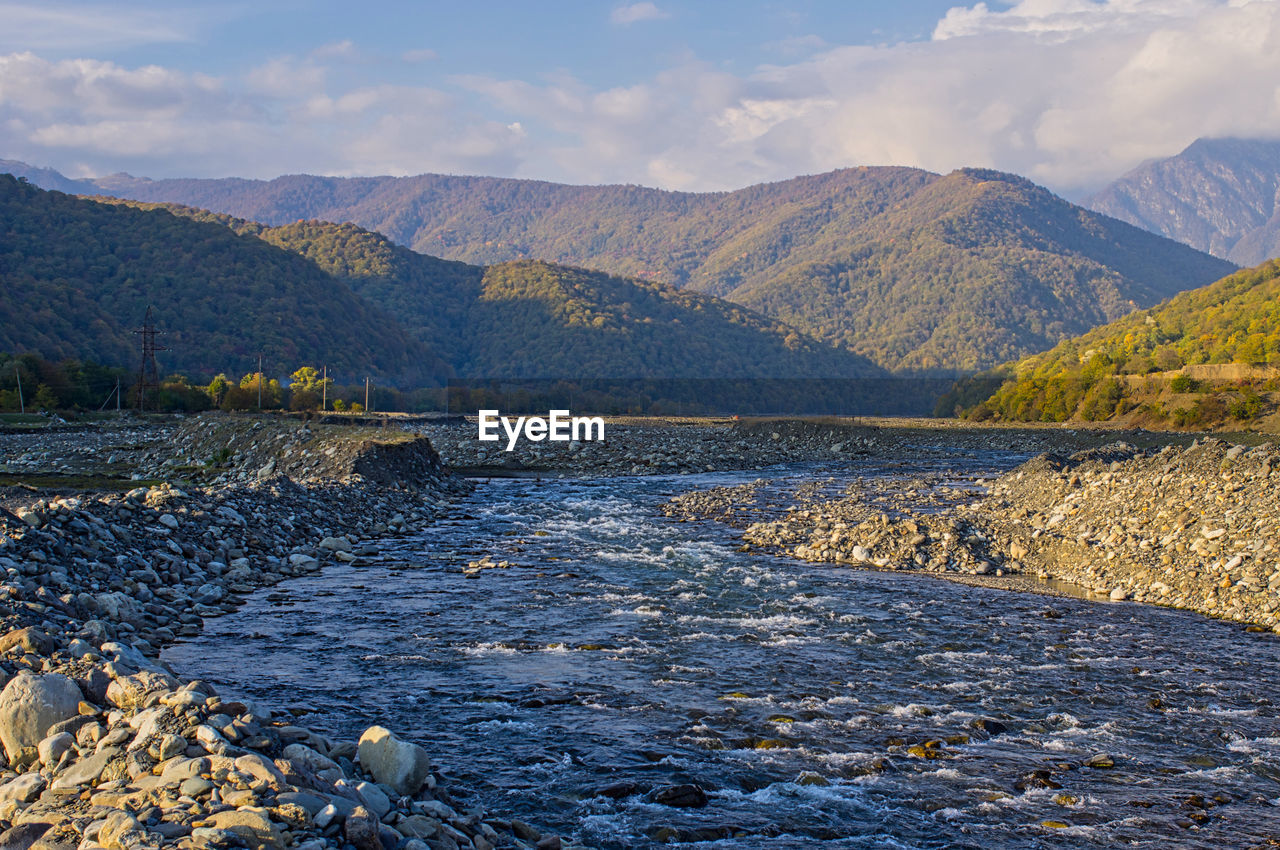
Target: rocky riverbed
point(1191, 527)
point(106, 747)
point(655, 446)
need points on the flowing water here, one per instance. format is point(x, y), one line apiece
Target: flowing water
point(622, 647)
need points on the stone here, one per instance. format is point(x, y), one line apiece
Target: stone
point(361, 830)
point(84, 772)
point(336, 544)
point(131, 692)
point(28, 639)
point(374, 800)
point(322, 766)
point(168, 746)
point(252, 825)
point(402, 765)
point(195, 787)
point(52, 748)
point(418, 826)
point(313, 803)
point(169, 521)
point(686, 796)
point(118, 825)
point(1100, 760)
point(23, 789)
point(24, 835)
point(30, 704)
point(1119, 594)
point(262, 769)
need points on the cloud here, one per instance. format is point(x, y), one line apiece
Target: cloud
point(636, 12)
point(1068, 92)
point(61, 26)
point(424, 54)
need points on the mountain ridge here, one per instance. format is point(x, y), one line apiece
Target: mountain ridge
point(854, 241)
point(1217, 195)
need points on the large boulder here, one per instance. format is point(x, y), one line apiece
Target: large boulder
point(390, 761)
point(30, 704)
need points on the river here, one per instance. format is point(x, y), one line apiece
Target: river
point(621, 647)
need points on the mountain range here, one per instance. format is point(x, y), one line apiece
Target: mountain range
point(78, 275)
point(909, 269)
point(1219, 195)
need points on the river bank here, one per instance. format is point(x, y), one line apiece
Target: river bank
point(105, 746)
point(683, 446)
point(1191, 527)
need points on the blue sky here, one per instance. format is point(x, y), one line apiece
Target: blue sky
point(670, 93)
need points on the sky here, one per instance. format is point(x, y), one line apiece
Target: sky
point(693, 95)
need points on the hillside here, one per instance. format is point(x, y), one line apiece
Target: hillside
point(1204, 358)
point(78, 277)
point(911, 269)
point(1218, 195)
point(534, 319)
point(78, 271)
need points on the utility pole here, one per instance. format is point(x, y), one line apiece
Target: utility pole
point(366, 394)
point(18, 373)
point(148, 374)
point(259, 381)
point(324, 390)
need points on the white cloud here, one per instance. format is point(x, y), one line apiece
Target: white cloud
point(1068, 92)
point(61, 26)
point(636, 12)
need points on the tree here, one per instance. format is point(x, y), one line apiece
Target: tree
point(306, 388)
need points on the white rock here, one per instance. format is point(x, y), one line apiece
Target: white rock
point(169, 521)
point(400, 764)
point(30, 704)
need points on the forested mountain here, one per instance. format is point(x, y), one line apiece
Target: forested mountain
point(535, 319)
point(911, 269)
point(78, 275)
point(1218, 195)
point(1201, 358)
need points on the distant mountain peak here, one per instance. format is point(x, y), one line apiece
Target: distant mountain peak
point(1220, 195)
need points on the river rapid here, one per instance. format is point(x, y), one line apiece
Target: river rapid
point(619, 650)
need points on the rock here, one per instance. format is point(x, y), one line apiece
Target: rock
point(195, 787)
point(23, 836)
point(361, 830)
point(84, 772)
point(263, 769)
point(418, 826)
point(1119, 594)
point(374, 800)
point(400, 764)
point(23, 789)
point(322, 766)
point(52, 748)
point(687, 796)
point(169, 521)
point(1100, 760)
point(30, 704)
point(112, 834)
point(29, 639)
point(252, 825)
point(336, 544)
point(130, 692)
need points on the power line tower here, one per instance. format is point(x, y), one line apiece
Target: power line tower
point(149, 375)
